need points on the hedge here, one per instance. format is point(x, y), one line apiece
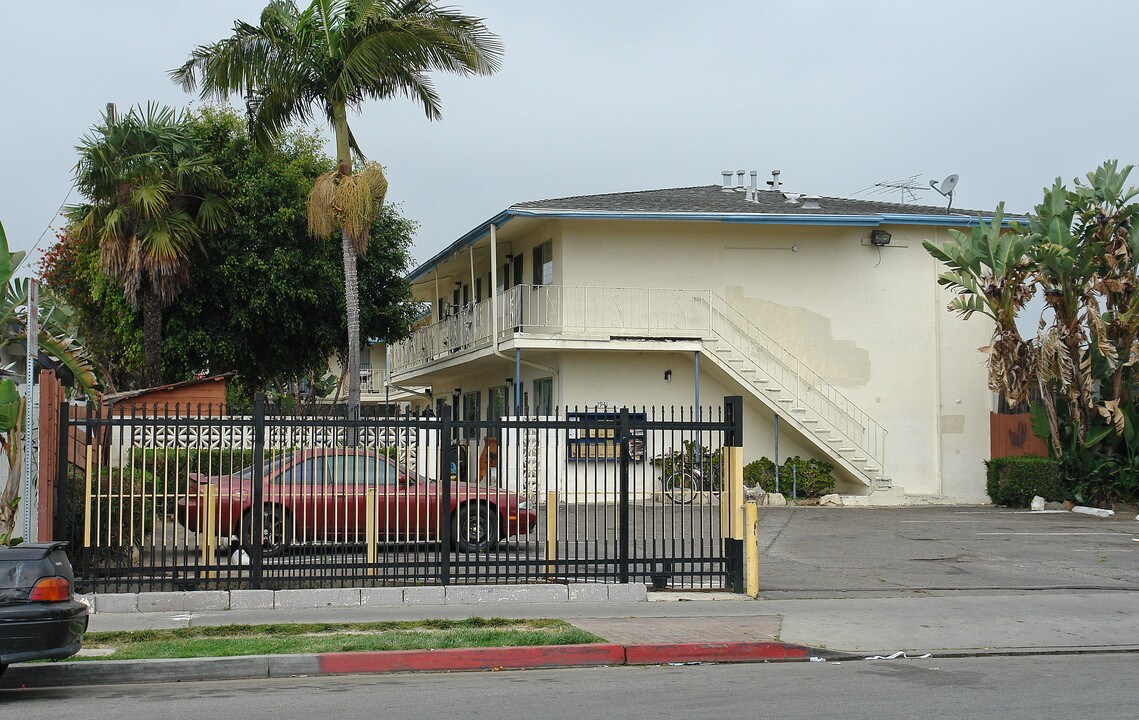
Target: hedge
point(1014, 481)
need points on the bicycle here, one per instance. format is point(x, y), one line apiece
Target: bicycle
point(687, 472)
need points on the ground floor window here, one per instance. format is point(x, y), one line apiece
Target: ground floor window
point(472, 404)
point(497, 402)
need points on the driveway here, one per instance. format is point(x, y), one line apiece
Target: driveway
point(814, 552)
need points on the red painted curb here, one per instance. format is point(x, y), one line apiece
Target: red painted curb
point(657, 654)
point(472, 658)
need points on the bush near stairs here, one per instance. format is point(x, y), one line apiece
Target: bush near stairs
point(812, 477)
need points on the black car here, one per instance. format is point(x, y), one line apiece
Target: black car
point(40, 619)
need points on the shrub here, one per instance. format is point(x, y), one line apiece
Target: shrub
point(810, 477)
point(1014, 481)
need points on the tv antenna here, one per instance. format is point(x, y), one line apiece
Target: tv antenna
point(909, 187)
point(946, 189)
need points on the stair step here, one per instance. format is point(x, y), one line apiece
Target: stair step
point(834, 440)
point(858, 459)
point(798, 409)
point(747, 371)
point(723, 351)
point(734, 359)
point(870, 468)
point(761, 381)
point(810, 421)
point(772, 389)
point(787, 400)
point(846, 449)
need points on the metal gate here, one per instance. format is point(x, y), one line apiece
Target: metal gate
point(172, 499)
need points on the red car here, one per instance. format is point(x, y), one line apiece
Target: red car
point(322, 495)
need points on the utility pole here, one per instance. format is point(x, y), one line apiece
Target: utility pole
point(29, 405)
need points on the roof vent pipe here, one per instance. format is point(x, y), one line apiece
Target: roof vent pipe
point(810, 202)
point(740, 184)
point(753, 190)
point(727, 180)
point(774, 181)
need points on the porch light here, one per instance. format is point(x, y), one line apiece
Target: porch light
point(879, 237)
point(668, 376)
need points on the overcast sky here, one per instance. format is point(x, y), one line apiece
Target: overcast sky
point(602, 96)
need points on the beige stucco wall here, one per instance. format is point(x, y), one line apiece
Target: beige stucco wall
point(870, 321)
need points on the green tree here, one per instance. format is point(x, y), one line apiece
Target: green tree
point(1078, 250)
point(151, 193)
point(328, 59)
point(264, 301)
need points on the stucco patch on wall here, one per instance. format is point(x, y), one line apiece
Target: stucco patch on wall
point(808, 336)
point(952, 424)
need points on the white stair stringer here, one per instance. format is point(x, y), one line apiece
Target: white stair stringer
point(840, 431)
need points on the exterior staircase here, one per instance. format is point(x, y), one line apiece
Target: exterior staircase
point(799, 396)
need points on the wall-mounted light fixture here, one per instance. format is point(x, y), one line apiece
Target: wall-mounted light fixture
point(879, 237)
point(668, 376)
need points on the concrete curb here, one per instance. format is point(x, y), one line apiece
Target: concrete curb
point(252, 667)
point(220, 600)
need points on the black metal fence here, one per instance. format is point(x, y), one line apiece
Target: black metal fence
point(171, 499)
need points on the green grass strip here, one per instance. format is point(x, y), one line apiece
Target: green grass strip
point(231, 640)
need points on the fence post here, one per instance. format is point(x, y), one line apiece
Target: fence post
point(734, 491)
point(623, 500)
point(61, 509)
point(257, 532)
point(444, 473)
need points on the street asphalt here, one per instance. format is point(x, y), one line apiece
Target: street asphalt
point(835, 582)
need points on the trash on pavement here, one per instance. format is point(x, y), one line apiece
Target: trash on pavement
point(900, 655)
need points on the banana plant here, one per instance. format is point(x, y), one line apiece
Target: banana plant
point(58, 340)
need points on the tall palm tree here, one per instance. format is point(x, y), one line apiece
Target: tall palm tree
point(151, 194)
point(326, 60)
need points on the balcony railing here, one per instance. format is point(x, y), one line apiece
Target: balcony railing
point(559, 310)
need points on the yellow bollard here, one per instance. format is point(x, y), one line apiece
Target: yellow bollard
point(371, 528)
point(751, 548)
point(551, 532)
point(209, 525)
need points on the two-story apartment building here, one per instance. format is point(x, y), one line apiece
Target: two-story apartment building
point(823, 313)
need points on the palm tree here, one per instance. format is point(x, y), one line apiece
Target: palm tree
point(151, 195)
point(328, 59)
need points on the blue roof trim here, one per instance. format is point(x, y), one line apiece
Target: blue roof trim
point(875, 220)
point(465, 241)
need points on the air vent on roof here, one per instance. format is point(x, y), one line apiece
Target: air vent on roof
point(727, 180)
point(810, 202)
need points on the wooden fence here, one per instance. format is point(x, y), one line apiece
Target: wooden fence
point(1012, 435)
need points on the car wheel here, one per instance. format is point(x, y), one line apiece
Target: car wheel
point(276, 530)
point(475, 527)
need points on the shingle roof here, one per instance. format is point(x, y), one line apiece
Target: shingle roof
point(713, 199)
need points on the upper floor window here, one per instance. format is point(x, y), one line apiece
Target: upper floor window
point(544, 263)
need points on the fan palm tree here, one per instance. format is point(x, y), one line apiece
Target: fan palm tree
point(151, 194)
point(328, 59)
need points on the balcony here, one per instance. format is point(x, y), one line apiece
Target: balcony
point(560, 310)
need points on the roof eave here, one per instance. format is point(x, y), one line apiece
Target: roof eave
point(869, 220)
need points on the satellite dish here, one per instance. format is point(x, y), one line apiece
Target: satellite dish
point(946, 188)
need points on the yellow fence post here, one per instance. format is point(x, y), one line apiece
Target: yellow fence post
point(371, 529)
point(551, 532)
point(208, 526)
point(751, 548)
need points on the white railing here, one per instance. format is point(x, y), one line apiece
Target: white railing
point(807, 387)
point(570, 311)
